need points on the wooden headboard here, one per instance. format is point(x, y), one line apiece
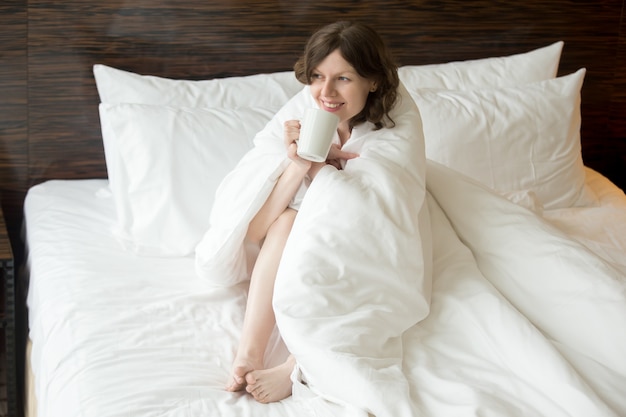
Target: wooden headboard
point(49, 126)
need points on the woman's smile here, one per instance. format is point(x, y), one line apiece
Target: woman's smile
point(330, 106)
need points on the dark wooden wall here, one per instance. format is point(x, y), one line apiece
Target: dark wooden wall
point(49, 125)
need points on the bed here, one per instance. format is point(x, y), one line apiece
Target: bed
point(524, 244)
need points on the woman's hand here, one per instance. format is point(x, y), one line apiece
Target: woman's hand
point(292, 133)
point(335, 155)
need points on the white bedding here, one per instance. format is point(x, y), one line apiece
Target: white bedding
point(115, 334)
point(356, 270)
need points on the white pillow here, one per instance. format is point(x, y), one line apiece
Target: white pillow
point(536, 65)
point(180, 206)
point(171, 162)
point(260, 90)
point(512, 139)
point(118, 86)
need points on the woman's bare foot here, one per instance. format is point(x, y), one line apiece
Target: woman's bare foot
point(271, 385)
point(241, 368)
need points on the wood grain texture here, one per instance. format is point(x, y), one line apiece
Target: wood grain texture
point(13, 111)
point(611, 153)
point(48, 99)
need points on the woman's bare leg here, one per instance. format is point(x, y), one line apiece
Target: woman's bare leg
point(259, 318)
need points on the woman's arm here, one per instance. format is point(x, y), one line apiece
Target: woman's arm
point(289, 182)
point(285, 189)
point(278, 200)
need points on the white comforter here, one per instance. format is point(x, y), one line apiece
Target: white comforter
point(525, 304)
point(524, 319)
point(356, 270)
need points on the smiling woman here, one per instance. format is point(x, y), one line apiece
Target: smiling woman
point(355, 90)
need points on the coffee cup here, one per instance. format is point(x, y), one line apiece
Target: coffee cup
point(316, 134)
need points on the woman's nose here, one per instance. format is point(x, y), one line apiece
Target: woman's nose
point(328, 90)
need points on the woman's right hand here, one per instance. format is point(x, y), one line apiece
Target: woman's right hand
point(292, 133)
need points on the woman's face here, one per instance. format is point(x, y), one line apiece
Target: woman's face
point(338, 88)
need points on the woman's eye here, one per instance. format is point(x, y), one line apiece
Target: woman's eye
point(344, 79)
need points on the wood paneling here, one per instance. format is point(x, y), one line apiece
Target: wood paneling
point(48, 99)
point(612, 152)
point(13, 182)
point(13, 111)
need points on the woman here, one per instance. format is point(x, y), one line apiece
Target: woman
point(350, 73)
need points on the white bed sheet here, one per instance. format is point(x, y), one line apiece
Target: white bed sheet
point(119, 335)
point(601, 228)
point(115, 334)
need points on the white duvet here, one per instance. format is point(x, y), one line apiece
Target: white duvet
point(356, 270)
point(547, 316)
point(552, 311)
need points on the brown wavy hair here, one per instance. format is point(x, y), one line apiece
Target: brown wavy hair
point(365, 50)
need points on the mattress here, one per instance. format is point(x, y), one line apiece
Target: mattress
point(117, 334)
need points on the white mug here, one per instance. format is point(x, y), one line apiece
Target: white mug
point(316, 134)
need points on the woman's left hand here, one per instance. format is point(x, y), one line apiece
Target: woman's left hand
point(336, 155)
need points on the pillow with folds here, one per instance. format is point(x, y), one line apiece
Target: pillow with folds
point(118, 86)
point(512, 139)
point(537, 65)
point(171, 162)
